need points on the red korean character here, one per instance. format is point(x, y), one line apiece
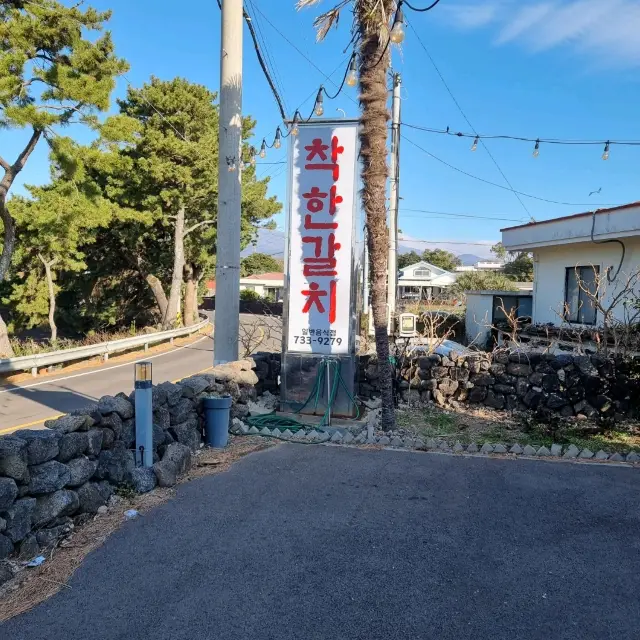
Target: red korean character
point(315, 198)
point(313, 297)
point(318, 149)
point(334, 199)
point(321, 266)
point(309, 224)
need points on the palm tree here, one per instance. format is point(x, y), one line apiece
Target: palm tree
point(371, 31)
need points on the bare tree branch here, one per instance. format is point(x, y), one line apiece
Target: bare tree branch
point(4, 164)
point(18, 165)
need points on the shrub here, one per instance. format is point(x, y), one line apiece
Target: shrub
point(249, 295)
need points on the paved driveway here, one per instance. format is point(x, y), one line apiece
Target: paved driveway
point(311, 542)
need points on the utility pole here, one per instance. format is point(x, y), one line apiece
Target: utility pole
point(227, 315)
point(394, 196)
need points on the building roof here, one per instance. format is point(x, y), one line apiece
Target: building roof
point(574, 215)
point(600, 224)
point(272, 275)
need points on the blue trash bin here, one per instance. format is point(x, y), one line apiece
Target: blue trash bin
point(216, 427)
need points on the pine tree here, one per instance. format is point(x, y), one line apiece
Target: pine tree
point(52, 71)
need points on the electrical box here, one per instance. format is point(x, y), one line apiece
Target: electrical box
point(407, 325)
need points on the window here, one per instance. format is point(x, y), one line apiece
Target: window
point(422, 273)
point(522, 305)
point(578, 281)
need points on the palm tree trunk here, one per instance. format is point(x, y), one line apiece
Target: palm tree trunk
point(171, 313)
point(373, 151)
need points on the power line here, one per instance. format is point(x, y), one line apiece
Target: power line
point(500, 186)
point(464, 115)
point(270, 59)
point(479, 244)
point(404, 3)
point(559, 141)
point(458, 215)
point(302, 53)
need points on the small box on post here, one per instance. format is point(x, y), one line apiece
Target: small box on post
point(144, 413)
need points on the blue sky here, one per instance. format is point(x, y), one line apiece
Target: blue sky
point(549, 69)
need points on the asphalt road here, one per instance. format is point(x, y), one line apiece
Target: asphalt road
point(325, 542)
point(28, 404)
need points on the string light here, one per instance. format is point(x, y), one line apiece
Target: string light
point(474, 146)
point(263, 149)
point(294, 127)
point(277, 140)
point(252, 156)
point(605, 155)
point(536, 149)
point(352, 76)
point(319, 107)
point(397, 31)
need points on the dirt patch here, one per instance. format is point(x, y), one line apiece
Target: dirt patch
point(30, 587)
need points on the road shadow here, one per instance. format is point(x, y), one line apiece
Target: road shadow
point(63, 400)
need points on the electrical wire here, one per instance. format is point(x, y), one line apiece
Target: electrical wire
point(263, 66)
point(477, 244)
point(610, 278)
point(344, 79)
point(501, 186)
point(270, 59)
point(559, 141)
point(302, 53)
point(404, 3)
point(458, 215)
point(464, 115)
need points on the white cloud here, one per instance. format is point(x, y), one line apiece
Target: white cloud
point(604, 29)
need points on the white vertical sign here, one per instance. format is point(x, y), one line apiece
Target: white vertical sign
point(321, 219)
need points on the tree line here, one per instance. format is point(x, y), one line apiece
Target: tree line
point(125, 231)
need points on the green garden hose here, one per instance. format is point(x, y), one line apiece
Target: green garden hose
point(272, 421)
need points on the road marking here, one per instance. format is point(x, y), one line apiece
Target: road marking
point(89, 373)
point(29, 424)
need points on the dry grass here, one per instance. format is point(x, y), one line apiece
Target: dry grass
point(32, 586)
point(481, 424)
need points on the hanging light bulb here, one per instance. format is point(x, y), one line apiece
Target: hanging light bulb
point(277, 142)
point(536, 149)
point(294, 126)
point(263, 149)
point(352, 76)
point(252, 156)
point(605, 155)
point(319, 108)
point(231, 167)
point(474, 146)
point(397, 31)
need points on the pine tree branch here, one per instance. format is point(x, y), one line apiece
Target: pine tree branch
point(197, 226)
point(4, 164)
point(18, 165)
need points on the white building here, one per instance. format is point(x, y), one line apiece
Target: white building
point(572, 255)
point(423, 281)
point(267, 285)
point(484, 265)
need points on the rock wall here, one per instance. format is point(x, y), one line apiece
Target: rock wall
point(51, 478)
point(565, 384)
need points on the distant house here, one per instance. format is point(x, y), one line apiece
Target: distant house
point(483, 265)
point(423, 281)
point(267, 285)
point(573, 256)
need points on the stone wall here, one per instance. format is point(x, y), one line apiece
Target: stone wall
point(565, 384)
point(51, 478)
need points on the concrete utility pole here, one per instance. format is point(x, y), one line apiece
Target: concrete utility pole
point(394, 197)
point(227, 318)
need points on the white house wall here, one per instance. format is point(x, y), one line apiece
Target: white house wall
point(550, 265)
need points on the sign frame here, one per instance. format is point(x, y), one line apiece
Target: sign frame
point(355, 281)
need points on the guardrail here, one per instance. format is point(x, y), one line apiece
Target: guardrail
point(104, 349)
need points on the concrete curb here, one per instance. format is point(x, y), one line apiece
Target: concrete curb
point(486, 449)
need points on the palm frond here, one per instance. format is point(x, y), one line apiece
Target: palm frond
point(301, 4)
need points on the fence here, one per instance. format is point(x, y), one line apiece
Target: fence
point(103, 349)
